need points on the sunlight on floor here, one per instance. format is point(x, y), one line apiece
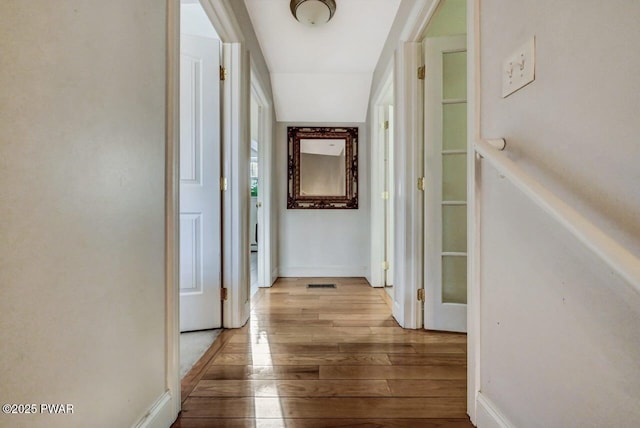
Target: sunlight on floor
point(266, 401)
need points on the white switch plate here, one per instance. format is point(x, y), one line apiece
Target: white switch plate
point(518, 70)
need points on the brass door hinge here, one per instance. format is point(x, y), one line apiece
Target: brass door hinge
point(223, 294)
point(223, 183)
point(421, 294)
point(223, 73)
point(385, 265)
point(385, 125)
point(385, 195)
point(421, 184)
point(421, 71)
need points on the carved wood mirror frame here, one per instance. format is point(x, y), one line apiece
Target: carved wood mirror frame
point(348, 200)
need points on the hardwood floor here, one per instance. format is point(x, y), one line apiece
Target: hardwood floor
point(312, 358)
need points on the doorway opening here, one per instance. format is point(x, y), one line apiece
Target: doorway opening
point(260, 171)
point(254, 204)
point(382, 185)
point(388, 194)
point(200, 170)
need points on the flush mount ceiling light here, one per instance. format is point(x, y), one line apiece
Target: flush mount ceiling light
point(313, 12)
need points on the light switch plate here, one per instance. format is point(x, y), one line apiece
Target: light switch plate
point(518, 70)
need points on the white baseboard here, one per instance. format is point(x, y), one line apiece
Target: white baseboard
point(274, 275)
point(323, 271)
point(488, 415)
point(160, 414)
point(368, 278)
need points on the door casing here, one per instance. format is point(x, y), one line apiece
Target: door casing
point(235, 308)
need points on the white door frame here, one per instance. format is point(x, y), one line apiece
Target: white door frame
point(265, 154)
point(407, 203)
point(473, 211)
point(378, 107)
point(220, 14)
point(407, 272)
point(236, 143)
point(172, 210)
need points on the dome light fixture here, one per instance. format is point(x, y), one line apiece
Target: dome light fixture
point(313, 12)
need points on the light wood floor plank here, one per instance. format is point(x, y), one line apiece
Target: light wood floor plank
point(377, 348)
point(301, 359)
point(392, 372)
point(283, 348)
point(432, 359)
point(303, 330)
point(428, 388)
point(292, 388)
point(261, 372)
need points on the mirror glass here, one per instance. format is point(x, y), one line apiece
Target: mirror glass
point(322, 171)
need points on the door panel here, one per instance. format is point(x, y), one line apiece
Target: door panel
point(190, 252)
point(446, 184)
point(200, 205)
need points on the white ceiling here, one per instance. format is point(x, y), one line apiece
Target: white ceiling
point(322, 74)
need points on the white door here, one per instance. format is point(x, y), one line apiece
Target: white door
point(200, 203)
point(389, 217)
point(446, 184)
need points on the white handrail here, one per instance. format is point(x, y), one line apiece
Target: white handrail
point(623, 262)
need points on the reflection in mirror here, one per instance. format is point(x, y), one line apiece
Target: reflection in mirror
point(322, 171)
point(322, 168)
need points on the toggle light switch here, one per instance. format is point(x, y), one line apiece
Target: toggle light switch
point(518, 70)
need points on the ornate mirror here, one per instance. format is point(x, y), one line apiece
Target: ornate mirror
point(323, 168)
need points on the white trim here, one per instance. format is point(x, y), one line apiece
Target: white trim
point(172, 212)
point(265, 155)
point(473, 209)
point(160, 414)
point(488, 415)
point(376, 277)
point(379, 108)
point(408, 205)
point(378, 93)
point(274, 275)
point(323, 271)
point(223, 20)
point(236, 275)
point(419, 20)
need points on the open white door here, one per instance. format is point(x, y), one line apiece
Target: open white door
point(200, 201)
point(388, 206)
point(446, 184)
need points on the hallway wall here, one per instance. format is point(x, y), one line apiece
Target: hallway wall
point(82, 151)
point(322, 242)
point(559, 330)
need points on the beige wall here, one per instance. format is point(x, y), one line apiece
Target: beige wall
point(82, 117)
point(560, 344)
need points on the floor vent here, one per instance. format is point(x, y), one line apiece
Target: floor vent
point(321, 286)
